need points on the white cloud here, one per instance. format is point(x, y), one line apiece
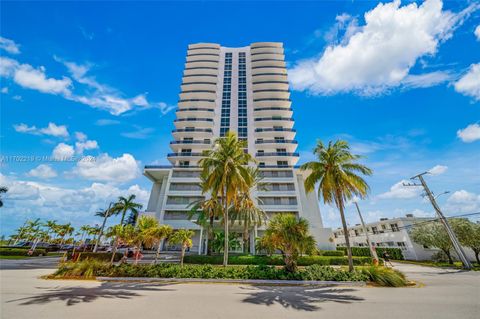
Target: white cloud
point(4, 90)
point(52, 129)
point(105, 168)
point(381, 53)
point(469, 83)
point(469, 134)
point(477, 32)
point(426, 80)
point(463, 202)
point(27, 199)
point(80, 136)
point(438, 170)
point(398, 191)
point(42, 171)
point(9, 45)
point(63, 152)
point(80, 147)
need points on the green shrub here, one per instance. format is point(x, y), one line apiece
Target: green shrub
point(384, 276)
point(276, 260)
point(102, 256)
point(395, 253)
point(84, 269)
point(21, 252)
point(92, 268)
point(337, 253)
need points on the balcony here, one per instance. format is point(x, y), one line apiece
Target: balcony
point(269, 76)
point(179, 134)
point(271, 95)
point(199, 86)
point(273, 111)
point(276, 142)
point(201, 95)
point(195, 111)
point(196, 122)
point(268, 122)
point(200, 71)
point(261, 154)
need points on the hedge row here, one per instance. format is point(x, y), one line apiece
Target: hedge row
point(21, 252)
point(89, 269)
point(395, 253)
point(337, 253)
point(275, 260)
point(103, 256)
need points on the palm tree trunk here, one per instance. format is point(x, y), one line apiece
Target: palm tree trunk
point(210, 237)
point(345, 231)
point(182, 255)
point(101, 232)
point(225, 244)
point(450, 260)
point(158, 251)
point(114, 250)
point(123, 217)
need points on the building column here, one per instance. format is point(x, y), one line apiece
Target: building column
point(200, 241)
point(253, 236)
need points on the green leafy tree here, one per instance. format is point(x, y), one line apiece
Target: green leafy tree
point(225, 172)
point(433, 235)
point(291, 236)
point(468, 234)
point(335, 171)
point(184, 238)
point(218, 242)
point(51, 226)
point(105, 214)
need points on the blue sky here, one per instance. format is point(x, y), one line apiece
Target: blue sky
point(399, 81)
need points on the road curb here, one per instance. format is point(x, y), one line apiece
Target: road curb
point(236, 281)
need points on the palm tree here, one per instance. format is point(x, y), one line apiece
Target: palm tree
point(65, 230)
point(105, 214)
point(224, 170)
point(183, 237)
point(152, 233)
point(206, 212)
point(291, 236)
point(335, 170)
point(51, 226)
point(127, 204)
point(246, 212)
point(3, 190)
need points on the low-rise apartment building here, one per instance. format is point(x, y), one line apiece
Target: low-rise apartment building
point(393, 233)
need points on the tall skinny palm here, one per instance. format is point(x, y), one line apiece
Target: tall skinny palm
point(225, 172)
point(335, 171)
point(105, 214)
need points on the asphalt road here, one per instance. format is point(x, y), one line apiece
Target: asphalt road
point(443, 294)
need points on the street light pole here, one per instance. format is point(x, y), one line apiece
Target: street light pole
point(372, 249)
point(456, 244)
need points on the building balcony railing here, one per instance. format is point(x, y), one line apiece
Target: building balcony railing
point(192, 75)
point(191, 142)
point(278, 129)
point(196, 100)
point(182, 154)
point(194, 109)
point(199, 83)
point(268, 67)
point(273, 108)
point(270, 73)
point(261, 60)
point(197, 54)
point(259, 53)
point(193, 120)
point(271, 90)
point(204, 48)
point(274, 119)
point(277, 154)
point(198, 91)
point(270, 82)
point(202, 67)
point(200, 61)
point(271, 99)
point(199, 130)
point(276, 142)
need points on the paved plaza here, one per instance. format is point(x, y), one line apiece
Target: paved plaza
point(441, 294)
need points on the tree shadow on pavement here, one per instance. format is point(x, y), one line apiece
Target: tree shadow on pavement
point(298, 298)
point(79, 294)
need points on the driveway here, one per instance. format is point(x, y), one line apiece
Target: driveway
point(443, 294)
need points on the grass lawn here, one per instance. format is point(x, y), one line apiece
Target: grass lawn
point(456, 264)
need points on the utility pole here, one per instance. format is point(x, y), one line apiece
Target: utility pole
point(456, 244)
point(107, 214)
point(373, 252)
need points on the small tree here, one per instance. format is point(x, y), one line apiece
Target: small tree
point(291, 236)
point(468, 234)
point(433, 235)
point(152, 233)
point(183, 237)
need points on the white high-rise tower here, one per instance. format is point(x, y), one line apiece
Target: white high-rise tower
point(244, 90)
